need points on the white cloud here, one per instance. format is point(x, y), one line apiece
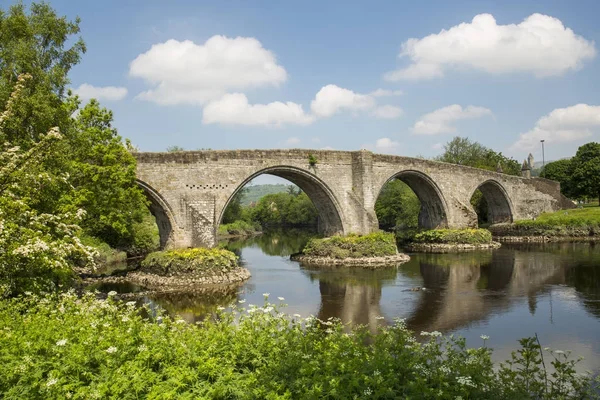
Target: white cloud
point(540, 45)
point(234, 109)
point(442, 119)
point(561, 125)
point(437, 146)
point(387, 112)
point(332, 99)
point(385, 93)
point(327, 148)
point(383, 145)
point(189, 73)
point(86, 91)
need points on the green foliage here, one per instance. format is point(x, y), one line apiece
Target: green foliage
point(189, 261)
point(102, 173)
point(233, 211)
point(41, 44)
point(560, 171)
point(397, 206)
point(473, 154)
point(175, 149)
point(454, 236)
point(312, 160)
point(586, 171)
point(253, 193)
point(353, 246)
point(480, 206)
point(104, 253)
point(145, 236)
point(589, 216)
point(580, 222)
point(70, 347)
point(239, 228)
point(283, 209)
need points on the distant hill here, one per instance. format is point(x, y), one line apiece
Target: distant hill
point(255, 192)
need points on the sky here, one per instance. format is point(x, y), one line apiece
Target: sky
point(393, 77)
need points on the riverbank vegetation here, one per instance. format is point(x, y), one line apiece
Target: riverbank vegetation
point(378, 244)
point(80, 347)
point(575, 223)
point(239, 228)
point(453, 236)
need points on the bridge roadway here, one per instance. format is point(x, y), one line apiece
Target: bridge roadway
point(190, 190)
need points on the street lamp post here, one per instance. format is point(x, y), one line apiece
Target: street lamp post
point(543, 156)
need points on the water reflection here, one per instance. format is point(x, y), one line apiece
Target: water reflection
point(515, 291)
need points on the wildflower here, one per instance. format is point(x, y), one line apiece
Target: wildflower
point(51, 382)
point(61, 342)
point(465, 381)
point(267, 309)
point(368, 392)
point(559, 352)
point(180, 321)
point(242, 301)
point(111, 350)
point(142, 348)
point(220, 308)
point(130, 303)
point(484, 337)
point(112, 293)
point(281, 298)
point(297, 315)
point(376, 372)
point(328, 330)
point(125, 319)
point(380, 317)
point(266, 294)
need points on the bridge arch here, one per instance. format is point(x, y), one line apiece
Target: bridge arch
point(434, 209)
point(499, 207)
point(163, 213)
point(330, 211)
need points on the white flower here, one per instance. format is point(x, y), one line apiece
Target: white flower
point(51, 382)
point(380, 317)
point(266, 294)
point(484, 337)
point(328, 330)
point(180, 321)
point(465, 381)
point(112, 293)
point(559, 352)
point(142, 348)
point(242, 301)
point(267, 309)
point(130, 304)
point(111, 350)
point(220, 308)
point(368, 392)
point(125, 319)
point(297, 315)
point(376, 372)
point(281, 298)
point(61, 342)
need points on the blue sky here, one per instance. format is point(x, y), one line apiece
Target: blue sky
point(505, 79)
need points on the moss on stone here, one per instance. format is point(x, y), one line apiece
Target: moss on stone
point(454, 236)
point(198, 261)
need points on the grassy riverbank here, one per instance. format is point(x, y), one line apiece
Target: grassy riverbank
point(453, 236)
point(189, 261)
point(239, 228)
point(577, 223)
point(70, 347)
point(376, 244)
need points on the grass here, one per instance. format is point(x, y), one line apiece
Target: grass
point(353, 246)
point(587, 216)
point(189, 261)
point(454, 236)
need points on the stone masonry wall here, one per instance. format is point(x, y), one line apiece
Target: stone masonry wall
point(196, 187)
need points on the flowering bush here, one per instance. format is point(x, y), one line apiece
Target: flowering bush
point(80, 347)
point(37, 250)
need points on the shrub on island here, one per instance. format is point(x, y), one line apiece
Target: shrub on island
point(454, 236)
point(198, 261)
point(377, 244)
point(239, 228)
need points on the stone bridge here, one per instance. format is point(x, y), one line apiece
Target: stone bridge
point(190, 190)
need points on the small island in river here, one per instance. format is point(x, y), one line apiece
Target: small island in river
point(373, 250)
point(451, 241)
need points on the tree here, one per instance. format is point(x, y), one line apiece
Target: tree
point(37, 43)
point(397, 206)
point(561, 171)
point(586, 171)
point(233, 212)
point(463, 151)
point(102, 173)
point(175, 149)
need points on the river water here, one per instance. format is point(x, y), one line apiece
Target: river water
point(551, 289)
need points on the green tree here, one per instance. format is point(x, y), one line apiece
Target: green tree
point(397, 206)
point(234, 209)
point(586, 171)
point(102, 173)
point(174, 149)
point(41, 44)
point(463, 151)
point(561, 171)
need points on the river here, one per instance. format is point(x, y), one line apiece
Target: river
point(551, 289)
